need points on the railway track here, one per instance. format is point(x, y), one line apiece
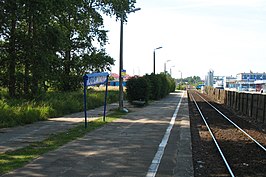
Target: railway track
point(223, 144)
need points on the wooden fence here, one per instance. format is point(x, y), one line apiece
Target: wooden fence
point(251, 105)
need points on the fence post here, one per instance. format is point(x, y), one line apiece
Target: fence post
point(257, 107)
point(247, 110)
point(242, 102)
point(264, 109)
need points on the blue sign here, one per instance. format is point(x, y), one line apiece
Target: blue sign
point(95, 79)
point(123, 73)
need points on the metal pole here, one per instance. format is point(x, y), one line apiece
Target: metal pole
point(154, 58)
point(121, 106)
point(153, 61)
point(165, 69)
point(105, 99)
point(171, 70)
point(85, 99)
point(181, 78)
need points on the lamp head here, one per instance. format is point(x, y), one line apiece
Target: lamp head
point(133, 10)
point(158, 48)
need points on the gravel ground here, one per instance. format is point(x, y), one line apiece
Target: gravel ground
point(243, 156)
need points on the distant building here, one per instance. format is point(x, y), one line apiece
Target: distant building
point(254, 82)
point(218, 82)
point(260, 86)
point(114, 79)
point(250, 81)
point(229, 83)
point(209, 78)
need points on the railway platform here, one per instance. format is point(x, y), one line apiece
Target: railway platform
point(150, 141)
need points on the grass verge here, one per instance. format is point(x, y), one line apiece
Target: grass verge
point(18, 158)
point(14, 112)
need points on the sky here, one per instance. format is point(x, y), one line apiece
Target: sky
point(226, 36)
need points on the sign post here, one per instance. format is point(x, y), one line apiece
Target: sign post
point(91, 80)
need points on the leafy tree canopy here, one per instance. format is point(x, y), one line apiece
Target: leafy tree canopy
point(52, 43)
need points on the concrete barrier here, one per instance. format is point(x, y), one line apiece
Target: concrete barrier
point(251, 105)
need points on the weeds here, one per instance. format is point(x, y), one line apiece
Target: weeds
point(52, 104)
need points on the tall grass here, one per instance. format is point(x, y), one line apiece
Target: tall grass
point(52, 104)
point(21, 114)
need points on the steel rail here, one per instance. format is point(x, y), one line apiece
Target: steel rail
point(214, 139)
point(234, 123)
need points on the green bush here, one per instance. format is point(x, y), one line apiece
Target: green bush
point(168, 84)
point(156, 86)
point(149, 87)
point(181, 87)
point(172, 84)
point(138, 88)
point(165, 85)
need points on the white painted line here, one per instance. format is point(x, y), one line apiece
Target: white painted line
point(159, 154)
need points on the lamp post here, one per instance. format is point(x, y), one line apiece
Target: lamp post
point(181, 76)
point(165, 66)
point(171, 70)
point(154, 58)
point(121, 105)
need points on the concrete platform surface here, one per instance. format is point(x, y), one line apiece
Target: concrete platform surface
point(126, 147)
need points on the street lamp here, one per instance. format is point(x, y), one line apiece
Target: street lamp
point(165, 66)
point(154, 58)
point(181, 76)
point(171, 70)
point(121, 106)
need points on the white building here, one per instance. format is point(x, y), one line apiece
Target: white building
point(260, 85)
point(242, 82)
point(218, 82)
point(229, 83)
point(250, 81)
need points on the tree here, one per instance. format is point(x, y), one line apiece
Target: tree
point(191, 80)
point(81, 26)
point(53, 41)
